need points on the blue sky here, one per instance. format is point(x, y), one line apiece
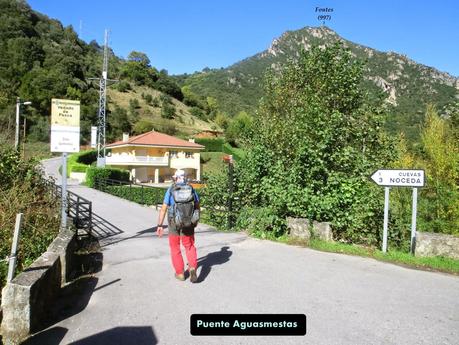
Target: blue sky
point(186, 36)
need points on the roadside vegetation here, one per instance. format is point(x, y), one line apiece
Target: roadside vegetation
point(315, 140)
point(398, 257)
point(23, 190)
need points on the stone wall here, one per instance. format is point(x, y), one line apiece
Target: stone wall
point(430, 244)
point(304, 229)
point(26, 299)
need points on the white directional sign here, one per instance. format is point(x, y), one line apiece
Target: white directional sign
point(399, 178)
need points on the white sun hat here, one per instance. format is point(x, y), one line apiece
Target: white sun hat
point(179, 173)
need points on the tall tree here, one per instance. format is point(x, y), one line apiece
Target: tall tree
point(315, 143)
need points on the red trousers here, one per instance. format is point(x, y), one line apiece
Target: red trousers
point(176, 253)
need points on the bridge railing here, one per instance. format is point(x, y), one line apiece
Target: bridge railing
point(78, 208)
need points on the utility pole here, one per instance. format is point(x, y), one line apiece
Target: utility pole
point(101, 123)
point(18, 114)
point(102, 103)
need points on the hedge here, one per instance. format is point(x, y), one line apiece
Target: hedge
point(93, 173)
point(79, 168)
point(211, 144)
point(138, 194)
point(87, 157)
point(237, 153)
point(80, 161)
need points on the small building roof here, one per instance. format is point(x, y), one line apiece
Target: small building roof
point(157, 139)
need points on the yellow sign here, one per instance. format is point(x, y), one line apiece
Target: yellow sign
point(65, 112)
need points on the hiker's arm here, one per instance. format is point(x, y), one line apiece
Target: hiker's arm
point(162, 214)
point(197, 204)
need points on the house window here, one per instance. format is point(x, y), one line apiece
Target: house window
point(173, 154)
point(188, 154)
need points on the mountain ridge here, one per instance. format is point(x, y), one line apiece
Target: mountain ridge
point(408, 85)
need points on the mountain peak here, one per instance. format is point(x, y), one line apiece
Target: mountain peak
point(408, 86)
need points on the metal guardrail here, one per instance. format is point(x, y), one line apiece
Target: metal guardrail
point(78, 208)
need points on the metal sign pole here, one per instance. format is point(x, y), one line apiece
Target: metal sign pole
point(64, 192)
point(230, 198)
point(386, 218)
point(413, 220)
point(14, 248)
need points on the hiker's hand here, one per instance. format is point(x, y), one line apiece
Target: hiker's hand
point(159, 231)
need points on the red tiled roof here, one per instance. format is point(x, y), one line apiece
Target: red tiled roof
point(157, 139)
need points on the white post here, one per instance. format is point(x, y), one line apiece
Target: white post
point(156, 175)
point(16, 137)
point(64, 192)
point(386, 218)
point(14, 248)
point(413, 220)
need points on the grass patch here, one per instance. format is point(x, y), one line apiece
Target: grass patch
point(37, 150)
point(212, 162)
point(439, 263)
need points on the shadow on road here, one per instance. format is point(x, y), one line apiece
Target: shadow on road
point(212, 259)
point(72, 299)
point(121, 335)
point(139, 234)
point(102, 228)
point(51, 336)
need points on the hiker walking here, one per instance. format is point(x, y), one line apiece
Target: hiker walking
point(181, 202)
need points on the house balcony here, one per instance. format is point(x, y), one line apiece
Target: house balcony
point(137, 160)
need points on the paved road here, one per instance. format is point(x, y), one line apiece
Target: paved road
point(135, 299)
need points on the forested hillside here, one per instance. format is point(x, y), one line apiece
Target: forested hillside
point(406, 86)
point(40, 59)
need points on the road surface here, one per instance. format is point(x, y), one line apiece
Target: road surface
point(135, 298)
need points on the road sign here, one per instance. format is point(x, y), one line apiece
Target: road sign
point(65, 125)
point(93, 136)
point(399, 178)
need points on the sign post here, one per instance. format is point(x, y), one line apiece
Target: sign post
point(386, 218)
point(413, 220)
point(65, 137)
point(399, 178)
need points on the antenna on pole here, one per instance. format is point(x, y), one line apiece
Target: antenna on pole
point(102, 103)
point(101, 122)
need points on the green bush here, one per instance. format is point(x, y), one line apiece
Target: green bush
point(236, 152)
point(198, 112)
point(123, 86)
point(316, 141)
point(261, 222)
point(23, 190)
point(140, 195)
point(87, 157)
point(211, 144)
point(95, 173)
point(80, 161)
point(79, 168)
point(168, 111)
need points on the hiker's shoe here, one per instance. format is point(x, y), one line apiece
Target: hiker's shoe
point(193, 275)
point(180, 276)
